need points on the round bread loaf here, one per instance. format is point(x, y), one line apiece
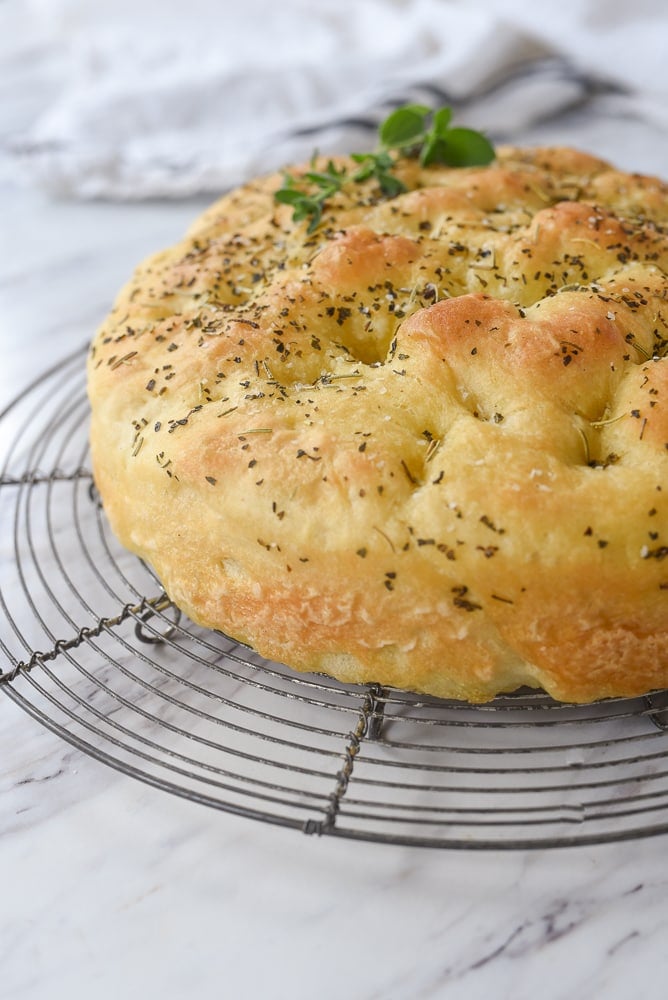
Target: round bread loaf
point(424, 445)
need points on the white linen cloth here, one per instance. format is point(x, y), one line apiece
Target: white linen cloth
point(127, 99)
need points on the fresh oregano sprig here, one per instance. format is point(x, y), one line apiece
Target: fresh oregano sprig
point(413, 131)
point(417, 131)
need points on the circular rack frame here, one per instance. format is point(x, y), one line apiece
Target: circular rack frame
point(92, 648)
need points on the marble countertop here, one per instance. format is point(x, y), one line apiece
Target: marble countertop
point(112, 888)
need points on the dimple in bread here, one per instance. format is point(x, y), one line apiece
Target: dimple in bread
point(425, 445)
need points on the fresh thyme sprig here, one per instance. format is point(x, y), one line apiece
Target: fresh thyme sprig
point(412, 131)
point(309, 204)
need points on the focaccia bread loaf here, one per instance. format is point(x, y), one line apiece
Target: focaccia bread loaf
point(424, 445)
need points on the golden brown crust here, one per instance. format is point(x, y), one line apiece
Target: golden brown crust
point(426, 445)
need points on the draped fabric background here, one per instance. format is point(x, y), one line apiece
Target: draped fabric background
point(128, 100)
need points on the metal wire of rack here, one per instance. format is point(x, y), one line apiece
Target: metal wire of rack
point(93, 649)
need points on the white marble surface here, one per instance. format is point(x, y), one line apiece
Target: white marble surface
point(109, 888)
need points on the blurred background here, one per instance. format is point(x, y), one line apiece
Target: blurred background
point(130, 100)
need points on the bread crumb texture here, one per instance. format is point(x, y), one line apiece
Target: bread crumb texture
point(425, 445)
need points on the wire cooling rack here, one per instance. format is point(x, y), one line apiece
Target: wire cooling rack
point(92, 648)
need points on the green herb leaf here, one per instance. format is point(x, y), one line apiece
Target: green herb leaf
point(289, 196)
point(309, 208)
point(413, 130)
point(467, 148)
point(390, 185)
point(404, 126)
point(378, 165)
point(434, 150)
point(441, 120)
point(331, 177)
